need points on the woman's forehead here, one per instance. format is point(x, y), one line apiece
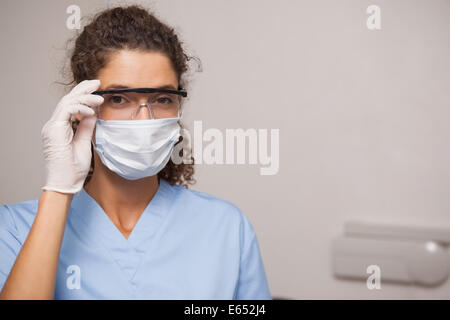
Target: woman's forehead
point(134, 69)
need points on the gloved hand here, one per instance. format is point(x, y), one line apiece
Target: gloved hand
point(68, 157)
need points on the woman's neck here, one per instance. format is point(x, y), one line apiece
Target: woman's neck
point(122, 200)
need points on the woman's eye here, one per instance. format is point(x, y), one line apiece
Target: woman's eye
point(164, 100)
point(116, 99)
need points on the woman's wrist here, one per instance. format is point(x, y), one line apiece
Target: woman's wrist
point(55, 199)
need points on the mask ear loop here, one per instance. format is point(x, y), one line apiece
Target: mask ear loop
point(180, 108)
point(97, 112)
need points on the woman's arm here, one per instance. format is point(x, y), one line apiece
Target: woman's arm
point(68, 158)
point(33, 274)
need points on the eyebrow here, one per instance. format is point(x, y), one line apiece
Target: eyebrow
point(119, 86)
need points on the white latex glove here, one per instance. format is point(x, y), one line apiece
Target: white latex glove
point(68, 157)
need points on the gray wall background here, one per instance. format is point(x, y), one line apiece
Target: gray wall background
point(363, 117)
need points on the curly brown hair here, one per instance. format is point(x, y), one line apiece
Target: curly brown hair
point(130, 27)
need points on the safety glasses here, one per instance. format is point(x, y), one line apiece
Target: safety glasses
point(124, 104)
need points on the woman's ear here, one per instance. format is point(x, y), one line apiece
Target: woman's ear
point(78, 117)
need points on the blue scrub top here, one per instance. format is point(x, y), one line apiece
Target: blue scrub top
point(186, 245)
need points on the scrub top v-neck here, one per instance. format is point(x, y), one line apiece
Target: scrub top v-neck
point(186, 245)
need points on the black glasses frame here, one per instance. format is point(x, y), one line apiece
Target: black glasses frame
point(180, 91)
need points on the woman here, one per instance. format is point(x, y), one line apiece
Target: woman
point(116, 221)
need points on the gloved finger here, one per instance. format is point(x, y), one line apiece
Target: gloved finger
point(73, 109)
point(82, 141)
point(65, 113)
point(85, 129)
point(85, 86)
point(56, 133)
point(91, 100)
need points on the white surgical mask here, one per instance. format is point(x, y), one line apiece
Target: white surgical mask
point(136, 149)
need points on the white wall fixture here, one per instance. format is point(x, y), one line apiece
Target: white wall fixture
point(404, 254)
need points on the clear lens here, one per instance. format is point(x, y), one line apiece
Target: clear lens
point(125, 106)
